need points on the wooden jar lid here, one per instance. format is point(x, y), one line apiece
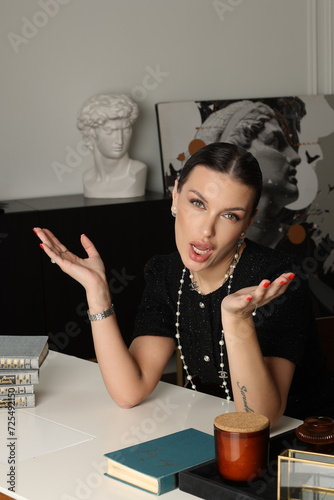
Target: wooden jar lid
point(241, 422)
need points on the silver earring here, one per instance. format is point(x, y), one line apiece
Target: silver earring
point(173, 215)
point(241, 238)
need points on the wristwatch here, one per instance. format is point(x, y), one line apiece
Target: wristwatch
point(102, 315)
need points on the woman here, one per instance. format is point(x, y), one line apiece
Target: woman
point(216, 278)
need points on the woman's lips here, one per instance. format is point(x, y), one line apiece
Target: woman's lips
point(199, 252)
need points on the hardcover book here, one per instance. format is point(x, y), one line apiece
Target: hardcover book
point(154, 466)
point(21, 401)
point(17, 389)
point(22, 352)
point(17, 377)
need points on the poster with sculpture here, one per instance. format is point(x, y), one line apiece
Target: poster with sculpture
point(293, 139)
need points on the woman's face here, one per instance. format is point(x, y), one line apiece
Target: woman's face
point(278, 161)
point(212, 212)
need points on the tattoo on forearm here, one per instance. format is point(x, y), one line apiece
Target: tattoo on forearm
point(243, 390)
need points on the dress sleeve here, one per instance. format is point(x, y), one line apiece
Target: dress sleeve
point(286, 326)
point(156, 314)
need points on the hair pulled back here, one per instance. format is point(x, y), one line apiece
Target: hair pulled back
point(229, 159)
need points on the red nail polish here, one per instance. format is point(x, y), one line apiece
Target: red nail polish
point(42, 246)
point(249, 298)
point(34, 230)
point(291, 276)
point(283, 282)
point(266, 284)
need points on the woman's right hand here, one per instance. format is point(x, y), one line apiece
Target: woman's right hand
point(89, 272)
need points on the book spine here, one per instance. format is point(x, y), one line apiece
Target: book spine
point(167, 483)
point(18, 389)
point(18, 363)
point(19, 378)
point(27, 401)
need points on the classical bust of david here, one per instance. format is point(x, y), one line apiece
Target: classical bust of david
point(105, 121)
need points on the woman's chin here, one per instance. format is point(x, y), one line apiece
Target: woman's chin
point(194, 264)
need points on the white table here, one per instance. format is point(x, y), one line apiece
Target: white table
point(61, 442)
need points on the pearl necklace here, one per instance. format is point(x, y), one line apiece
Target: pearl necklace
point(194, 287)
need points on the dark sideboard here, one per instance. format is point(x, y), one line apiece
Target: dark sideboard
point(37, 298)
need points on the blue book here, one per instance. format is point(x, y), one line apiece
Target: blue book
point(154, 466)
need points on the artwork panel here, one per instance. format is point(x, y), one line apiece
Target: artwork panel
point(301, 188)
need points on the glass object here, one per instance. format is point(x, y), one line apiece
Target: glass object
point(241, 442)
point(318, 433)
point(305, 475)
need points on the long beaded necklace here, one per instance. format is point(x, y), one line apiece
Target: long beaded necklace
point(193, 285)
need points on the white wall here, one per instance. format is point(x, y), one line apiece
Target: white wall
point(56, 53)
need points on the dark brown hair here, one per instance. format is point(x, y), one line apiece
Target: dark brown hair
point(228, 159)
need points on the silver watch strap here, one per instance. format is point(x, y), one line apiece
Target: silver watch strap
point(102, 315)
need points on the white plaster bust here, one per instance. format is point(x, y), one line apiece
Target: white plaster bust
point(105, 121)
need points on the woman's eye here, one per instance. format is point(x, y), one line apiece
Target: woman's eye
point(197, 203)
point(233, 217)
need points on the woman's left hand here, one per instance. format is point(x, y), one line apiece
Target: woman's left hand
point(245, 301)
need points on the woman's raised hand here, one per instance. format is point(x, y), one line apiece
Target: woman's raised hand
point(88, 272)
point(244, 302)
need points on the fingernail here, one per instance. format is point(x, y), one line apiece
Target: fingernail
point(35, 231)
point(42, 246)
point(266, 284)
point(291, 276)
point(249, 298)
point(283, 282)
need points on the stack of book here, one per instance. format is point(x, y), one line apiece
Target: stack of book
point(20, 360)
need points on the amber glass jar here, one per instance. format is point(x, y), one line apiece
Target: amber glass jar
point(241, 442)
point(318, 433)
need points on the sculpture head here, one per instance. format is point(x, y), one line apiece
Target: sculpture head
point(105, 121)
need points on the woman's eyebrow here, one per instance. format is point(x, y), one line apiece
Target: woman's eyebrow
point(197, 193)
point(235, 208)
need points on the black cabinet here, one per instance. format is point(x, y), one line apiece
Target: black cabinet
point(37, 298)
